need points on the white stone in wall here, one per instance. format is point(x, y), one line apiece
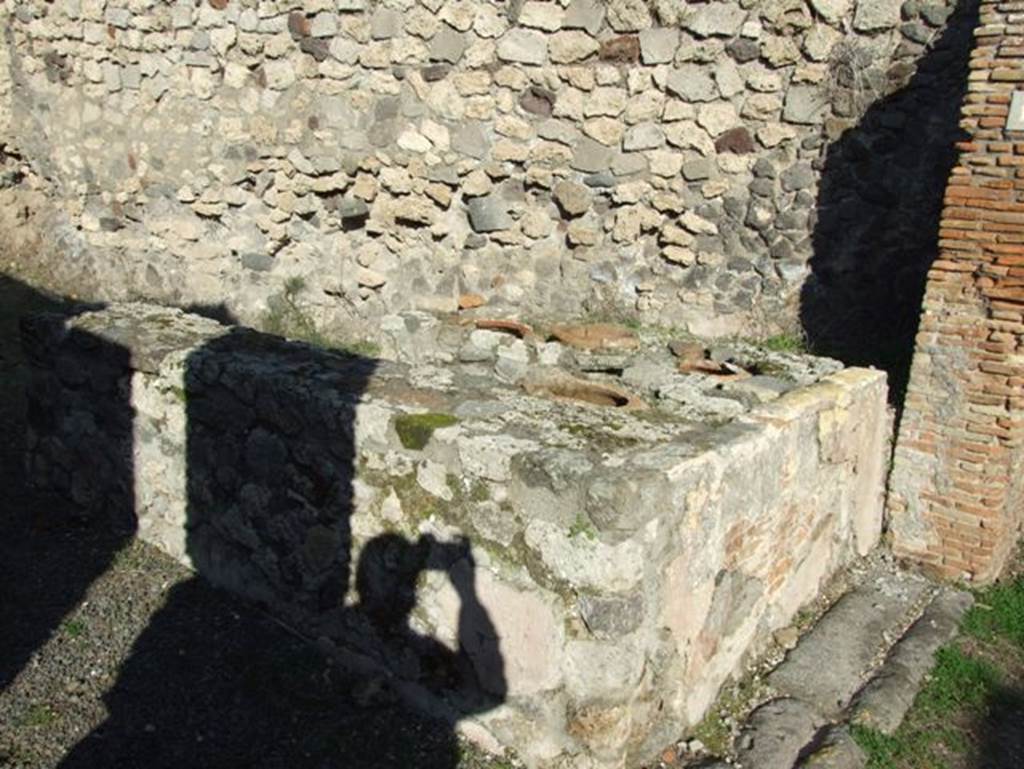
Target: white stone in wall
point(460, 14)
point(523, 46)
point(571, 46)
point(692, 83)
point(421, 23)
point(876, 15)
point(716, 19)
point(489, 22)
point(647, 105)
point(628, 15)
point(547, 16)
point(820, 42)
point(728, 78)
point(280, 74)
point(605, 101)
point(643, 136)
point(780, 51)
point(658, 45)
point(832, 11)
point(666, 163)
point(414, 141)
point(585, 14)
point(476, 83)
point(804, 104)
point(762, 106)
point(606, 130)
point(717, 117)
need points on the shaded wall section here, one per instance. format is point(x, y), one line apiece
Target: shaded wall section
point(244, 475)
point(956, 491)
point(879, 204)
point(57, 544)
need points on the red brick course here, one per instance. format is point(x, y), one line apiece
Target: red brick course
point(956, 497)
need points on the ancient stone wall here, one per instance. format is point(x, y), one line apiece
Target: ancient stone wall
point(677, 161)
point(957, 494)
point(570, 579)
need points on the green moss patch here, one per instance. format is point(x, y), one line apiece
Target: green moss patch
point(414, 430)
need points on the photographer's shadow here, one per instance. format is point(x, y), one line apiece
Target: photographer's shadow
point(472, 675)
point(271, 461)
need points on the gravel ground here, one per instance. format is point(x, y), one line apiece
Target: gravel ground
point(113, 655)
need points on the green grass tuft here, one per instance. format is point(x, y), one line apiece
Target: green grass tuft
point(959, 684)
point(287, 318)
point(785, 343)
point(999, 611)
point(958, 681)
point(582, 527)
point(38, 716)
point(916, 749)
point(75, 628)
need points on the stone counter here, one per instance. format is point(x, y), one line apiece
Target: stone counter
point(570, 579)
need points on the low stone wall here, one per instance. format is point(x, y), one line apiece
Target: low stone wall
point(572, 580)
point(690, 163)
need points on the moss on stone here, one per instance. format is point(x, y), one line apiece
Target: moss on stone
point(414, 430)
point(601, 438)
point(418, 504)
point(582, 526)
point(479, 492)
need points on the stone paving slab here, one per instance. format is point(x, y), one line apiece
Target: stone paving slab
point(831, 662)
point(836, 750)
point(777, 733)
point(885, 700)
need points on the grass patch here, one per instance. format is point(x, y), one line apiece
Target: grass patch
point(131, 557)
point(973, 682)
point(287, 318)
point(998, 612)
point(958, 681)
point(582, 527)
point(38, 716)
point(794, 343)
point(414, 430)
point(75, 628)
point(917, 749)
point(960, 685)
point(601, 439)
point(479, 491)
point(471, 757)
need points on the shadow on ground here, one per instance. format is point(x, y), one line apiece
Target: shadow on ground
point(205, 680)
point(1000, 731)
point(48, 555)
point(879, 206)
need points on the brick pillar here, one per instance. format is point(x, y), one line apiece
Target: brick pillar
point(956, 497)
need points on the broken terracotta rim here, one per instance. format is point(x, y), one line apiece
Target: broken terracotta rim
point(595, 336)
point(591, 393)
point(513, 327)
point(723, 371)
